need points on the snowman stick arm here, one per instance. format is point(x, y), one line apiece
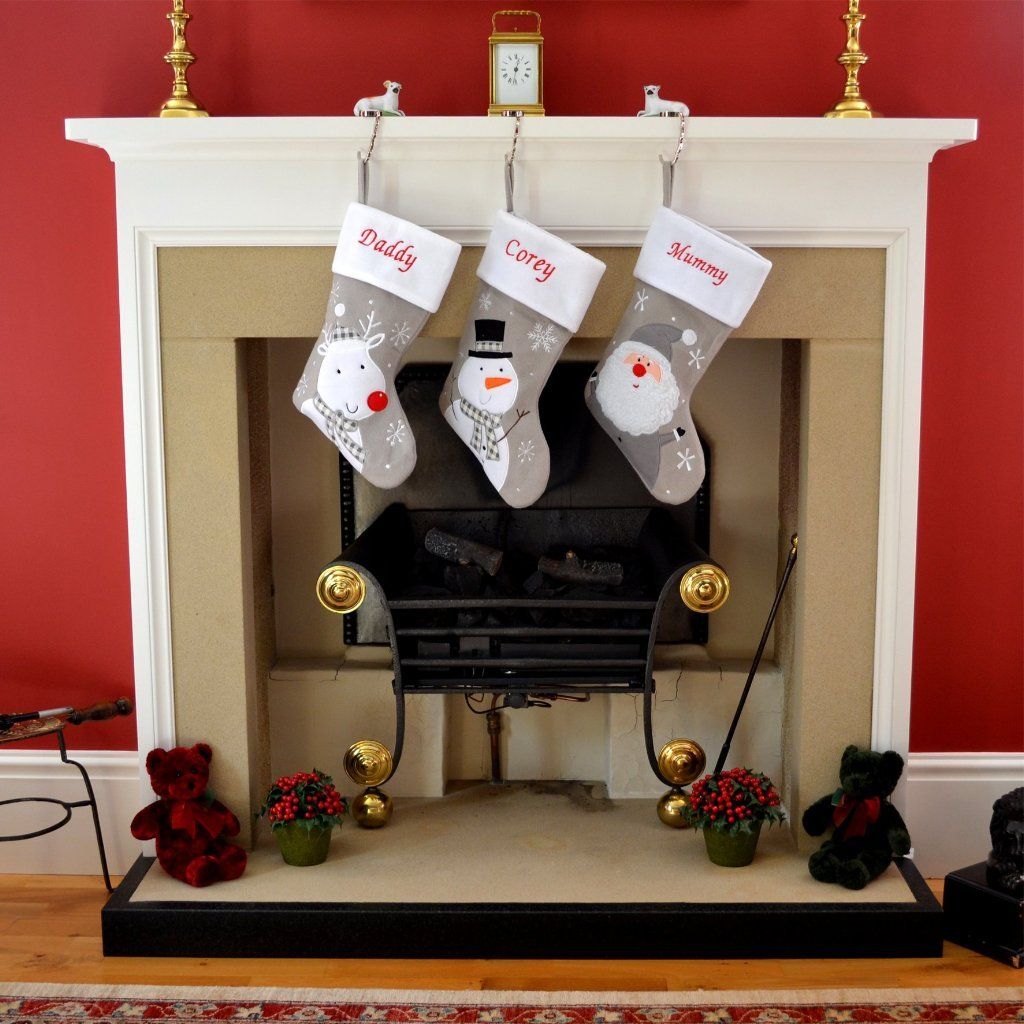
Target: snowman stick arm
point(519, 417)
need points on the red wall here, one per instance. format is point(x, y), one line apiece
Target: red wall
point(66, 632)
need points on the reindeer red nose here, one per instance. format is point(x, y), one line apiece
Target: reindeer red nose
point(639, 369)
point(377, 401)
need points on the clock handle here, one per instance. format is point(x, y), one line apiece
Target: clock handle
point(514, 14)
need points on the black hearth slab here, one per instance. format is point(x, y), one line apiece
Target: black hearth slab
point(645, 931)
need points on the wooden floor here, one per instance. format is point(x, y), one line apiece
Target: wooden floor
point(50, 931)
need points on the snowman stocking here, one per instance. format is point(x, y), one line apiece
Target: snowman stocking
point(535, 289)
point(694, 287)
point(389, 275)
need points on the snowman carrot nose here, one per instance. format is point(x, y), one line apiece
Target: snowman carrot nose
point(495, 382)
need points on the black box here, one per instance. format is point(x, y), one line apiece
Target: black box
point(982, 918)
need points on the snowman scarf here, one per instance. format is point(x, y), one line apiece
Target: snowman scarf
point(485, 430)
point(340, 428)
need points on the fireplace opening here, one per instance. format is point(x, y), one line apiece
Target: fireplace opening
point(565, 599)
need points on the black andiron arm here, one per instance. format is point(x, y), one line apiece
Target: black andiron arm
point(756, 663)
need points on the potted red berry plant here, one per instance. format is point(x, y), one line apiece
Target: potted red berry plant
point(302, 810)
point(730, 808)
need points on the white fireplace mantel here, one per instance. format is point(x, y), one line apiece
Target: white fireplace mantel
point(790, 182)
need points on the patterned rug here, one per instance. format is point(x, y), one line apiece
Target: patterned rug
point(55, 1004)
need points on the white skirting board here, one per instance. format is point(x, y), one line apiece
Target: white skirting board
point(948, 799)
point(72, 849)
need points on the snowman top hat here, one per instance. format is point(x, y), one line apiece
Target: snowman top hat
point(490, 340)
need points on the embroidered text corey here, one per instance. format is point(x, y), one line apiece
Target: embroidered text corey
point(521, 254)
point(399, 251)
point(678, 251)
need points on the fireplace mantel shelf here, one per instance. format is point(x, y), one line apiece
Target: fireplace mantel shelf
point(709, 138)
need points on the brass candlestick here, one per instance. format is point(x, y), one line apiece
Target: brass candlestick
point(181, 103)
point(852, 58)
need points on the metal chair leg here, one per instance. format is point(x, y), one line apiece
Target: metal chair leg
point(91, 803)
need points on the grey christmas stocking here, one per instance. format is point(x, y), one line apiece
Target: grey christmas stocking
point(694, 287)
point(535, 289)
point(389, 276)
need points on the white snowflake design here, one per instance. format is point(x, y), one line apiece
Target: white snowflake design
point(401, 335)
point(543, 336)
point(695, 358)
point(486, 300)
point(686, 460)
point(303, 386)
point(395, 433)
point(641, 299)
point(525, 451)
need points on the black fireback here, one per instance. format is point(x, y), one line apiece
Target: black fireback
point(587, 472)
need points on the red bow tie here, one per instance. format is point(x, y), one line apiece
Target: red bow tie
point(189, 815)
point(854, 814)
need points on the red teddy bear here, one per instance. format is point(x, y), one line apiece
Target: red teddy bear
point(191, 829)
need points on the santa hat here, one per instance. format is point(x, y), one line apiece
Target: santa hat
point(659, 339)
point(490, 340)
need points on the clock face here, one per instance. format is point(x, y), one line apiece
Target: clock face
point(517, 75)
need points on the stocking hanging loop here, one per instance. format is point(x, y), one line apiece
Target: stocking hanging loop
point(668, 167)
point(510, 159)
point(364, 160)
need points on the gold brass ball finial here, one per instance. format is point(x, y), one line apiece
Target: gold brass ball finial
point(682, 761)
point(704, 588)
point(372, 808)
point(368, 763)
point(340, 589)
point(671, 808)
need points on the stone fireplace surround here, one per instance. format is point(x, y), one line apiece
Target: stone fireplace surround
point(242, 209)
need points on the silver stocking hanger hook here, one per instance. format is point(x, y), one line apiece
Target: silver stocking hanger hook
point(668, 167)
point(510, 159)
point(364, 159)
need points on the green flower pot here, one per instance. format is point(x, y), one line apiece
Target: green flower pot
point(731, 849)
point(301, 846)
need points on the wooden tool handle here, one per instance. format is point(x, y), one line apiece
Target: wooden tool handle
point(100, 712)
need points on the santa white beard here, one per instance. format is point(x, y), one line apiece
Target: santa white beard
point(640, 410)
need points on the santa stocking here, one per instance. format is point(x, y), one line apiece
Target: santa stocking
point(534, 290)
point(389, 275)
point(694, 287)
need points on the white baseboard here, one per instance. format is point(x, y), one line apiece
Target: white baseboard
point(948, 800)
point(72, 849)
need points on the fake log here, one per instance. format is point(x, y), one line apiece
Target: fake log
point(461, 551)
point(573, 569)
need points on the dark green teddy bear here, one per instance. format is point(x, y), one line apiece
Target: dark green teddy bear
point(867, 830)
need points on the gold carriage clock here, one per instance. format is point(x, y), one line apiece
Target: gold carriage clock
point(517, 67)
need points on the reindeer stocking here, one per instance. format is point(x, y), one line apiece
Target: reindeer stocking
point(535, 289)
point(694, 287)
point(389, 275)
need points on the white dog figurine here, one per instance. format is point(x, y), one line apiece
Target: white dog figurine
point(386, 103)
point(654, 104)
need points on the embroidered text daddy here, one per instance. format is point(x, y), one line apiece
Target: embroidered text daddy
point(399, 251)
point(678, 251)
